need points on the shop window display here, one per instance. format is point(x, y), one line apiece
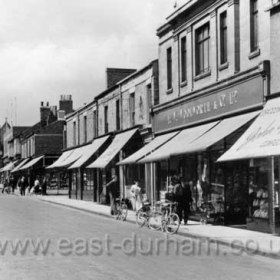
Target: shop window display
point(258, 189)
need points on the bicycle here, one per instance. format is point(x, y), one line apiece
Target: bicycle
point(170, 220)
point(120, 209)
point(149, 217)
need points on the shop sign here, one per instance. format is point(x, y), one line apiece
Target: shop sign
point(235, 98)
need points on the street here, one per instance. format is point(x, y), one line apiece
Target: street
point(80, 245)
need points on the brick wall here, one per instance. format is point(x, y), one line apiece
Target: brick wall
point(115, 75)
point(48, 144)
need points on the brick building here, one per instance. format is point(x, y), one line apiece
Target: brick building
point(42, 143)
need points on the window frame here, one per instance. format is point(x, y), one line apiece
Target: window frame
point(200, 44)
point(254, 25)
point(223, 38)
point(118, 115)
point(183, 52)
point(169, 67)
point(106, 126)
point(132, 108)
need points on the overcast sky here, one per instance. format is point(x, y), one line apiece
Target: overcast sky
point(54, 47)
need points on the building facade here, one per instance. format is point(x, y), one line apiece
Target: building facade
point(217, 68)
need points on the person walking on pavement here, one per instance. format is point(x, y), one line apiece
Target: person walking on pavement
point(113, 191)
point(135, 199)
point(44, 186)
point(23, 185)
point(183, 196)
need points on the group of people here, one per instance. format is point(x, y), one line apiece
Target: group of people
point(39, 186)
point(176, 192)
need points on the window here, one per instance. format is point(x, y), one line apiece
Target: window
point(254, 25)
point(223, 37)
point(169, 68)
point(149, 102)
point(118, 119)
point(202, 49)
point(132, 108)
point(106, 128)
point(183, 59)
point(74, 134)
point(95, 132)
point(85, 128)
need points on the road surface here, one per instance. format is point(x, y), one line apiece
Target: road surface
point(39, 240)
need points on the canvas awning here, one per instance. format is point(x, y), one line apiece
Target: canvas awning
point(117, 144)
point(177, 144)
point(261, 139)
point(77, 153)
point(218, 132)
point(89, 151)
point(9, 166)
point(147, 149)
point(59, 162)
point(31, 163)
point(20, 165)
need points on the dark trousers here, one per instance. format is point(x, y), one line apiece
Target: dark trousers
point(183, 210)
point(22, 190)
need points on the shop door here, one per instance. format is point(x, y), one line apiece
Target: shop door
point(236, 193)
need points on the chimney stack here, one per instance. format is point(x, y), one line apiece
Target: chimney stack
point(66, 104)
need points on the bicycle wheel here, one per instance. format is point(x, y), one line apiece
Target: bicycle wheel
point(172, 223)
point(141, 218)
point(155, 220)
point(123, 212)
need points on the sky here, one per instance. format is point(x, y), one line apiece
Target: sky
point(50, 48)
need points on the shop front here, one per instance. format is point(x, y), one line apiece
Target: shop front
point(122, 145)
point(259, 145)
point(84, 181)
point(206, 127)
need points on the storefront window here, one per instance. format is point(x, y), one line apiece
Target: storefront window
point(258, 188)
point(88, 180)
point(74, 180)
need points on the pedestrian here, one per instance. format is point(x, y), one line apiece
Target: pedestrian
point(6, 187)
point(113, 191)
point(183, 196)
point(135, 198)
point(44, 186)
point(23, 185)
point(37, 186)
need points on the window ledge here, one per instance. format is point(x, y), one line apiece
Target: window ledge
point(183, 84)
point(169, 91)
point(255, 53)
point(202, 75)
point(223, 66)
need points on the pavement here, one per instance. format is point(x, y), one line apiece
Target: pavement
point(247, 241)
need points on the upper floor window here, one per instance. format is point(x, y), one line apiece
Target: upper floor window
point(74, 133)
point(169, 67)
point(202, 49)
point(95, 132)
point(132, 108)
point(85, 128)
point(149, 102)
point(183, 59)
point(254, 25)
point(106, 126)
point(223, 37)
point(118, 117)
